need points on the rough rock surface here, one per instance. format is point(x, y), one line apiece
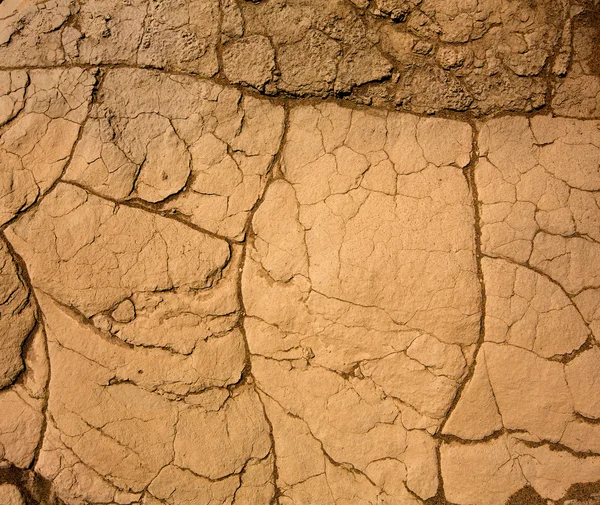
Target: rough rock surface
point(40, 117)
point(370, 252)
point(288, 252)
point(17, 318)
point(482, 56)
point(188, 147)
point(10, 495)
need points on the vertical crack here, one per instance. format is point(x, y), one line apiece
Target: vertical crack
point(469, 173)
point(271, 176)
point(39, 325)
point(35, 488)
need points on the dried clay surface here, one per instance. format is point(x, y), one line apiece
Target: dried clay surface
point(299, 252)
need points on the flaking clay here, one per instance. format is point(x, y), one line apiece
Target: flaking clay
point(299, 252)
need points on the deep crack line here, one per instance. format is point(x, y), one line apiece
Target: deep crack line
point(469, 173)
point(275, 164)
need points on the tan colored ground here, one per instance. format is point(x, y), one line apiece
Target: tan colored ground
point(302, 252)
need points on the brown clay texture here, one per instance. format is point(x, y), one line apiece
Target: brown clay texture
point(299, 252)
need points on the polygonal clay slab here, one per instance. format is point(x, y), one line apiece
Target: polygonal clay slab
point(361, 293)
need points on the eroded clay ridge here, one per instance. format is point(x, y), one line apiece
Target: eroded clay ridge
point(210, 296)
point(481, 56)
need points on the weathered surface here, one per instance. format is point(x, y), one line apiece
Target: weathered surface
point(174, 35)
point(537, 186)
point(344, 243)
point(10, 495)
point(23, 406)
point(287, 252)
point(490, 473)
point(17, 318)
point(418, 55)
point(577, 94)
point(538, 183)
point(143, 346)
point(181, 145)
point(40, 116)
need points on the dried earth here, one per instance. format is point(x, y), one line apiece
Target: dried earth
point(299, 252)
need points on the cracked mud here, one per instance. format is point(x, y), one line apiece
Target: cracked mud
point(299, 252)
